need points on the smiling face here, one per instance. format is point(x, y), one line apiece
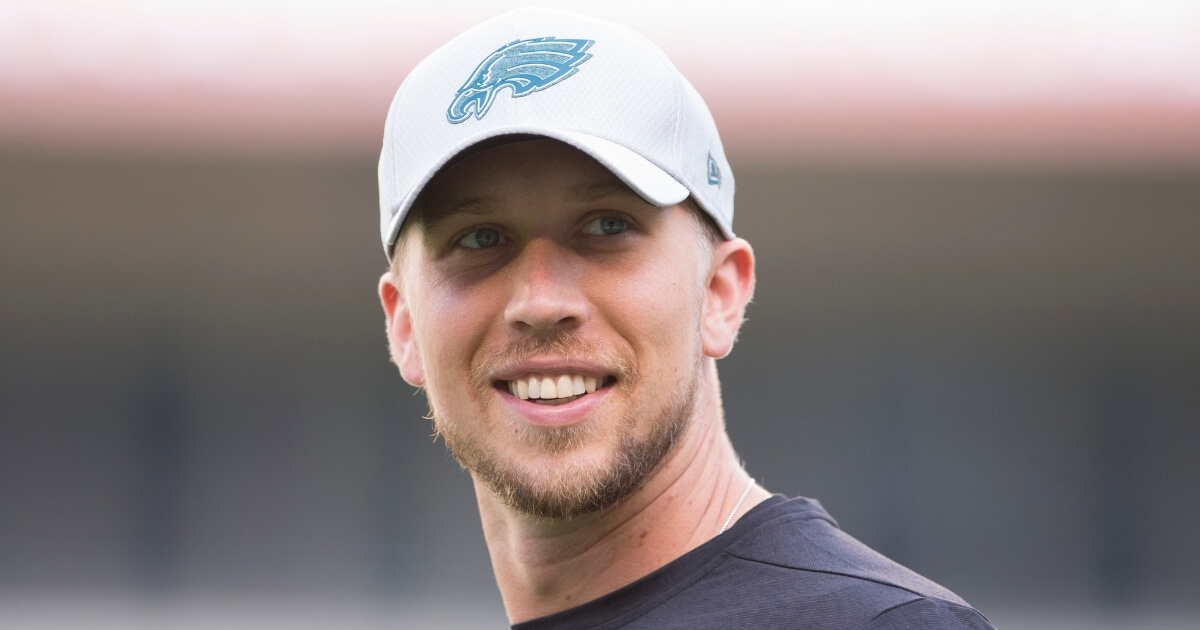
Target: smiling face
point(555, 321)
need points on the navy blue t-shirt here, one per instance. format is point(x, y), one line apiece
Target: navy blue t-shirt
point(785, 564)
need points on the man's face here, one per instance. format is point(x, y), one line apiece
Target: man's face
point(530, 273)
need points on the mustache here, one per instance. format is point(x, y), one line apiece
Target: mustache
point(561, 344)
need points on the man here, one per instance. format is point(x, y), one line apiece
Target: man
point(557, 210)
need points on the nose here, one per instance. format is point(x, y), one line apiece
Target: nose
point(547, 291)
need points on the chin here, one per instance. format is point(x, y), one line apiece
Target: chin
point(570, 471)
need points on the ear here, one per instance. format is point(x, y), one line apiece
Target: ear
point(401, 342)
point(730, 287)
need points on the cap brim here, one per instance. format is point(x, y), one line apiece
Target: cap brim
point(645, 178)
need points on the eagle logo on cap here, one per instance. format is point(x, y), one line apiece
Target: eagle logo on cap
point(525, 65)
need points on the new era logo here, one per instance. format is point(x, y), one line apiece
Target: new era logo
point(714, 172)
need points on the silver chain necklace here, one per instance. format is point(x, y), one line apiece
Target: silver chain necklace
point(729, 520)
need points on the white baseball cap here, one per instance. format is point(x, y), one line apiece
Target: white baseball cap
point(594, 85)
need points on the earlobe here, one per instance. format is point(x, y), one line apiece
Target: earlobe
point(730, 287)
point(401, 341)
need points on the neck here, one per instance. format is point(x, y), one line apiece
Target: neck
point(545, 566)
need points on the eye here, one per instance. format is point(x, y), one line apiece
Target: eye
point(605, 226)
point(481, 238)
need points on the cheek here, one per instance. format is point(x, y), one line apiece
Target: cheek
point(449, 324)
point(655, 306)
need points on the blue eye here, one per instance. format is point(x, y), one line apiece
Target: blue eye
point(605, 226)
point(481, 238)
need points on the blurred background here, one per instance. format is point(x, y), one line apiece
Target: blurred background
point(976, 337)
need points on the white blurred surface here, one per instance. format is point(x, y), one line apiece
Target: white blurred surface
point(456, 614)
point(985, 50)
point(1061, 81)
point(197, 614)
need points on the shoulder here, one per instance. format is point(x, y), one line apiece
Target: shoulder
point(930, 613)
point(796, 550)
point(785, 564)
point(799, 534)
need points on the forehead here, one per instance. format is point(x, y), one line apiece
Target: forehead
point(526, 174)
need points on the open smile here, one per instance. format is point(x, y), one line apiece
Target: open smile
point(557, 389)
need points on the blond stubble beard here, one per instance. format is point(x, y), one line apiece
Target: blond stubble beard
point(571, 488)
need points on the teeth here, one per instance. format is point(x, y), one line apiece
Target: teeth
point(552, 387)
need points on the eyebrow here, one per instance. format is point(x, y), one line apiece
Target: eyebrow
point(431, 217)
point(484, 205)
